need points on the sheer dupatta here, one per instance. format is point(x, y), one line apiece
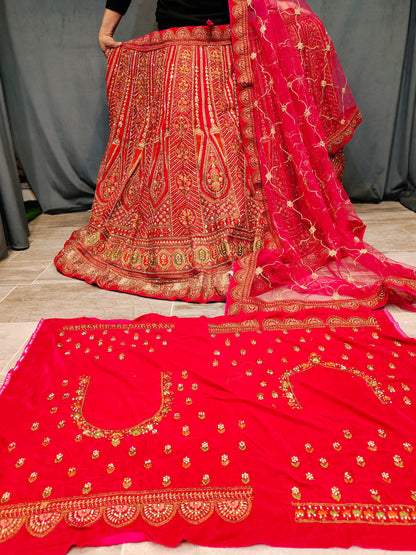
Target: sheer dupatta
point(291, 123)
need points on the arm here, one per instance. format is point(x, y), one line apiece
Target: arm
point(108, 26)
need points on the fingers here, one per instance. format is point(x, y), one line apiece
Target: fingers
point(107, 50)
point(107, 43)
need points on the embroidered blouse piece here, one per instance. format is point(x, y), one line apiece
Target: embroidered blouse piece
point(288, 431)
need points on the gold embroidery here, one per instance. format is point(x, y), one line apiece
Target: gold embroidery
point(315, 360)
point(232, 327)
point(126, 327)
point(240, 301)
point(115, 436)
point(271, 324)
point(155, 507)
point(355, 513)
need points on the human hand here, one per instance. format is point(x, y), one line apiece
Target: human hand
point(107, 43)
point(108, 26)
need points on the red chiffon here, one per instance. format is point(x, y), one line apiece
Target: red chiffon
point(320, 256)
point(286, 431)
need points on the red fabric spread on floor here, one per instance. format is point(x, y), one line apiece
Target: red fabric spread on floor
point(225, 432)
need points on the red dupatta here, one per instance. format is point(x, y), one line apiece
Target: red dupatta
point(319, 256)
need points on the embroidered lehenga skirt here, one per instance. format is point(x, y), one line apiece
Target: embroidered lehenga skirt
point(172, 209)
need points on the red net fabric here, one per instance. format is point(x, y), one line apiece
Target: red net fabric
point(320, 256)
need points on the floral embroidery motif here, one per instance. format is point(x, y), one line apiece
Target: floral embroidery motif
point(115, 436)
point(119, 509)
point(315, 360)
point(355, 513)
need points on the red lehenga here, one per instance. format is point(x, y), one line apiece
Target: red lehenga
point(217, 151)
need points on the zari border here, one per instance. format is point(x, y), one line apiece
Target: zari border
point(239, 25)
point(343, 135)
point(120, 509)
point(121, 326)
point(235, 327)
point(186, 35)
point(115, 436)
point(245, 80)
point(239, 300)
point(355, 513)
point(272, 324)
point(276, 323)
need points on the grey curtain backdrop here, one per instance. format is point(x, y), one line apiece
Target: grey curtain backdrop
point(53, 76)
point(13, 225)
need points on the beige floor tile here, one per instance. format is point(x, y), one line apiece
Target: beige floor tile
point(51, 274)
point(392, 237)
point(404, 257)
point(11, 255)
point(75, 299)
point(20, 271)
point(405, 319)
point(149, 548)
point(5, 290)
point(108, 550)
point(43, 247)
point(72, 219)
point(13, 338)
point(410, 227)
point(377, 211)
point(193, 310)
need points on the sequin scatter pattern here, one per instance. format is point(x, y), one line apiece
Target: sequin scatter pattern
point(172, 210)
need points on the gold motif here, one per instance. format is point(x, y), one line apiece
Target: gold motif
point(398, 461)
point(87, 488)
point(375, 495)
point(336, 494)
point(115, 436)
point(47, 492)
point(296, 493)
point(315, 360)
point(348, 478)
point(127, 483)
point(225, 461)
point(355, 513)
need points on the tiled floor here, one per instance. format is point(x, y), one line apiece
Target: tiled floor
point(31, 289)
